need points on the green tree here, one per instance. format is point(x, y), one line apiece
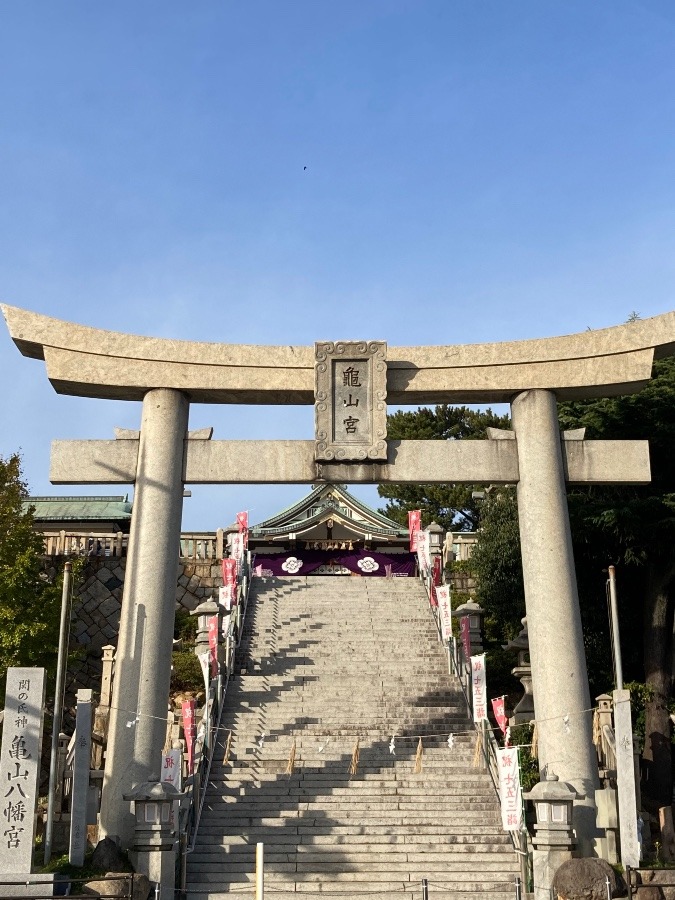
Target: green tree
point(630, 527)
point(634, 528)
point(29, 602)
point(451, 505)
point(496, 564)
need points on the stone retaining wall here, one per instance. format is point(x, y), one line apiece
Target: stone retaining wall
point(98, 601)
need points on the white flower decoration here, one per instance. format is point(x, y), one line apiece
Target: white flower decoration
point(368, 564)
point(292, 565)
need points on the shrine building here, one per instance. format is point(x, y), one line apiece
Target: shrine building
point(330, 532)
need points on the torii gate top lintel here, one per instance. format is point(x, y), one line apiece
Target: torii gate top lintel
point(92, 362)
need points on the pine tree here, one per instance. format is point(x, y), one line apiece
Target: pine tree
point(29, 601)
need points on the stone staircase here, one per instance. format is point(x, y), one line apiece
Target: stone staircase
point(325, 661)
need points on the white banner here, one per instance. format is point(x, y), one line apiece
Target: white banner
point(205, 663)
point(423, 554)
point(478, 688)
point(445, 613)
point(237, 547)
point(509, 789)
point(226, 595)
point(172, 763)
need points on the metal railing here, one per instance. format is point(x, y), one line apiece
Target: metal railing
point(46, 887)
point(459, 666)
point(207, 732)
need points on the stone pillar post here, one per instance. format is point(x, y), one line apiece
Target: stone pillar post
point(557, 655)
point(143, 659)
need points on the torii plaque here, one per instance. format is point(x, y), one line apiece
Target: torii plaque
point(350, 409)
point(168, 375)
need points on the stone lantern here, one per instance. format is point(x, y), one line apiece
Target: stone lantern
point(436, 538)
point(205, 612)
point(554, 837)
point(524, 709)
point(475, 614)
point(153, 851)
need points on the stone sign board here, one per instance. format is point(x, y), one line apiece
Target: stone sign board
point(80, 783)
point(20, 767)
point(350, 401)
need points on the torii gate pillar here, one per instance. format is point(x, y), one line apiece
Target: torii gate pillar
point(560, 679)
point(143, 658)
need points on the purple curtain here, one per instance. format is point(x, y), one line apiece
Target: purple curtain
point(363, 562)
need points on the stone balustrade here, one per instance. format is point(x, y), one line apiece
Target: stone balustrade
point(193, 545)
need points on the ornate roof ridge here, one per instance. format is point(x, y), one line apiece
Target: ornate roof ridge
point(285, 515)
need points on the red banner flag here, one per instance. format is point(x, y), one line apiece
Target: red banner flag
point(414, 525)
point(189, 730)
point(242, 525)
point(213, 645)
point(499, 714)
point(466, 636)
point(435, 579)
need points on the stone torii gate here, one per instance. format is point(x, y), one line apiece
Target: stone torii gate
point(349, 384)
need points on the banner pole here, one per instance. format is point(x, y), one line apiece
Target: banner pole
point(259, 872)
point(64, 631)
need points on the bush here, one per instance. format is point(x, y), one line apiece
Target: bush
point(186, 672)
point(185, 627)
point(529, 765)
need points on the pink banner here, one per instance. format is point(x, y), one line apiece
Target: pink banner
point(465, 634)
point(414, 525)
point(435, 579)
point(189, 730)
point(242, 525)
point(213, 645)
point(499, 714)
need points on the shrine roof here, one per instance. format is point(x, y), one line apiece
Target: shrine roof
point(79, 509)
point(323, 501)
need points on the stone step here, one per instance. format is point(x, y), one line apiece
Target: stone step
point(370, 890)
point(287, 872)
point(336, 805)
point(345, 833)
point(322, 664)
point(366, 789)
point(219, 863)
point(341, 784)
point(232, 819)
point(475, 845)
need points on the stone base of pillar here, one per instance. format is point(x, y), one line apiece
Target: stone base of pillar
point(160, 868)
point(606, 848)
point(545, 863)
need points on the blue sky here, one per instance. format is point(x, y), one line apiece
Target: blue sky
point(475, 171)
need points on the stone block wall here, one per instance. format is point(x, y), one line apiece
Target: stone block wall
point(98, 601)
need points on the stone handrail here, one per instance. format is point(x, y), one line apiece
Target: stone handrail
point(85, 543)
point(193, 545)
point(607, 750)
